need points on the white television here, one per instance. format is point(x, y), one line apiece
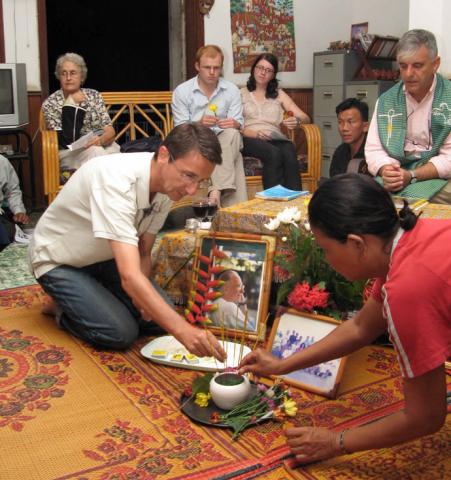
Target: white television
point(13, 95)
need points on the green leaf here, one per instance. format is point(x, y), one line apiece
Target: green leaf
point(238, 424)
point(284, 289)
point(202, 384)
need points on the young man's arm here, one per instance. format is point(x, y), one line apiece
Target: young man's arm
point(180, 107)
point(348, 337)
point(149, 302)
point(146, 243)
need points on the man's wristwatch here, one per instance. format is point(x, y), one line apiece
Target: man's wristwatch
point(413, 176)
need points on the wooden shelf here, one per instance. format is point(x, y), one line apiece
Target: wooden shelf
point(376, 63)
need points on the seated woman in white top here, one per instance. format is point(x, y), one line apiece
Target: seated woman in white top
point(264, 108)
point(74, 111)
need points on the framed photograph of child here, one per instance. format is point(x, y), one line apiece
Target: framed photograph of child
point(293, 331)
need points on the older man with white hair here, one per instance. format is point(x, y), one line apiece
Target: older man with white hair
point(409, 142)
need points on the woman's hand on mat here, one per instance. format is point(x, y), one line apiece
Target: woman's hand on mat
point(260, 362)
point(201, 342)
point(310, 444)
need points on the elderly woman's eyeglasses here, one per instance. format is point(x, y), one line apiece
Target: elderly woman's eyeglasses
point(70, 73)
point(189, 178)
point(264, 70)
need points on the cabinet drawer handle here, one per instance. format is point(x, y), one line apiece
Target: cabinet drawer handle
point(328, 94)
point(326, 156)
point(361, 94)
point(328, 63)
point(327, 125)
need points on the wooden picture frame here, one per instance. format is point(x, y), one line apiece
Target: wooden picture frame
point(248, 258)
point(293, 331)
point(383, 48)
point(356, 29)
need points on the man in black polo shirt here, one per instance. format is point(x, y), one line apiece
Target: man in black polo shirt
point(349, 157)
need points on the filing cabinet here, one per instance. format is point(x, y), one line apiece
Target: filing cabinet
point(333, 82)
point(331, 71)
point(368, 91)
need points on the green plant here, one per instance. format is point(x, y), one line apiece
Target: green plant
point(302, 262)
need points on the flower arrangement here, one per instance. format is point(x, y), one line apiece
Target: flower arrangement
point(307, 281)
point(273, 402)
point(206, 287)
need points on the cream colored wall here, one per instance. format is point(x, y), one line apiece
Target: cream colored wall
point(434, 15)
point(317, 23)
point(20, 28)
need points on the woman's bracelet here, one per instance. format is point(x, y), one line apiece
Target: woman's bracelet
point(298, 120)
point(341, 443)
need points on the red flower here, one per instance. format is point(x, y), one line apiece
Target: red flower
point(280, 273)
point(215, 417)
point(304, 297)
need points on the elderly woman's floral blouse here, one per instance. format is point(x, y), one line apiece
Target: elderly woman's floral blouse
point(96, 114)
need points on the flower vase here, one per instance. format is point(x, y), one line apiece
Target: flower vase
point(229, 389)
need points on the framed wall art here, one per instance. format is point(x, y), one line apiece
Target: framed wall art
point(293, 331)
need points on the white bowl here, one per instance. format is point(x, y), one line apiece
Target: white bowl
point(229, 396)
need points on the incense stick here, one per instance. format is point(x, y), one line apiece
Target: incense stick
point(211, 346)
point(260, 329)
point(221, 322)
point(226, 339)
point(234, 341)
point(242, 337)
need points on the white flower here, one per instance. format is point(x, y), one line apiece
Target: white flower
point(273, 224)
point(270, 393)
point(289, 215)
point(284, 239)
point(307, 226)
point(297, 215)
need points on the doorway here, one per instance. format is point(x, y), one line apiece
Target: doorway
point(125, 46)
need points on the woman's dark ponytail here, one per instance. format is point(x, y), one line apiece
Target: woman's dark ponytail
point(407, 219)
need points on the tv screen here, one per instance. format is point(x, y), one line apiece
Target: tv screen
point(6, 92)
point(13, 95)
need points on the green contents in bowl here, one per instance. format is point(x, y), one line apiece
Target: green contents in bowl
point(229, 379)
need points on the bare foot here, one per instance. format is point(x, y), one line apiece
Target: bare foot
point(49, 306)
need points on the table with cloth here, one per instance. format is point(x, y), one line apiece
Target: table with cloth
point(170, 266)
point(170, 257)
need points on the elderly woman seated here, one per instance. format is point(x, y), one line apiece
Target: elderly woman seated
point(74, 112)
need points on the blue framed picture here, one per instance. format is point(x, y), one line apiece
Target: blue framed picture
point(293, 331)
